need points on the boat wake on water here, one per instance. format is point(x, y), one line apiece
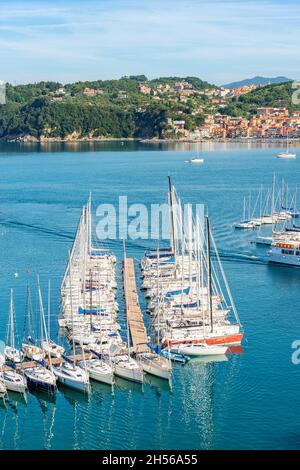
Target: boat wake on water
point(10, 223)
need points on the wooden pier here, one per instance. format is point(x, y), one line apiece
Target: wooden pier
point(54, 361)
point(134, 314)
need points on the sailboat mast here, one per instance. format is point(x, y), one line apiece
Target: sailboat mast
point(11, 313)
point(49, 306)
point(127, 325)
point(209, 284)
point(171, 201)
point(71, 306)
point(43, 321)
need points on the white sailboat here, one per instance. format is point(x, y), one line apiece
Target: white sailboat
point(127, 368)
point(3, 391)
point(14, 381)
point(155, 364)
point(69, 374)
point(201, 349)
point(287, 154)
point(39, 377)
point(11, 353)
point(29, 347)
point(98, 370)
point(50, 347)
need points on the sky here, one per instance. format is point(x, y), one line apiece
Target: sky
point(217, 40)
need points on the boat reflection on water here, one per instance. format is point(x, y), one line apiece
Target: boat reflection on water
point(207, 360)
point(200, 381)
point(73, 396)
point(101, 389)
point(17, 397)
point(125, 385)
point(156, 382)
point(43, 396)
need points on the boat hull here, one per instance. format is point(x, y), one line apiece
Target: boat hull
point(134, 375)
point(156, 371)
point(74, 384)
point(107, 378)
point(230, 340)
point(15, 387)
point(202, 351)
point(40, 386)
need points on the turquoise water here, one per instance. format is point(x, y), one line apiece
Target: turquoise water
point(250, 401)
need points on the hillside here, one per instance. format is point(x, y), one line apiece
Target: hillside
point(131, 107)
point(278, 95)
point(256, 81)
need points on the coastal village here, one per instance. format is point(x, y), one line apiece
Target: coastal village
point(268, 122)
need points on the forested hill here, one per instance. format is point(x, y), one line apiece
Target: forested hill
point(131, 107)
point(277, 95)
point(110, 108)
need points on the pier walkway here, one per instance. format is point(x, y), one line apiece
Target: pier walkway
point(54, 361)
point(134, 314)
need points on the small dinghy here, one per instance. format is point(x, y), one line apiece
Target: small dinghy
point(175, 357)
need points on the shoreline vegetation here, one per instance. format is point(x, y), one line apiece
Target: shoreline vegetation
point(166, 109)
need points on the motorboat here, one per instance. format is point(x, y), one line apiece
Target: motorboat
point(196, 160)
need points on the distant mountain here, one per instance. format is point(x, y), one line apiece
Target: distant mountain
point(257, 81)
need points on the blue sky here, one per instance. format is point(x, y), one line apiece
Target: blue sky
point(219, 41)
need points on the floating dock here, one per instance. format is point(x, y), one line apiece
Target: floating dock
point(54, 361)
point(134, 314)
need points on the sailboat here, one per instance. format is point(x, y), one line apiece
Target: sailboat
point(197, 159)
point(150, 361)
point(29, 346)
point(39, 377)
point(70, 374)
point(287, 154)
point(50, 347)
point(98, 370)
point(12, 354)
point(13, 381)
point(3, 391)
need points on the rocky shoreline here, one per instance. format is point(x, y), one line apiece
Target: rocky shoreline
point(76, 139)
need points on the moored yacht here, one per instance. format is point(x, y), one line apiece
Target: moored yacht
point(14, 381)
point(72, 376)
point(155, 364)
point(41, 379)
point(127, 368)
point(98, 370)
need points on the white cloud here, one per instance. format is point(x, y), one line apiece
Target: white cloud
point(184, 37)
